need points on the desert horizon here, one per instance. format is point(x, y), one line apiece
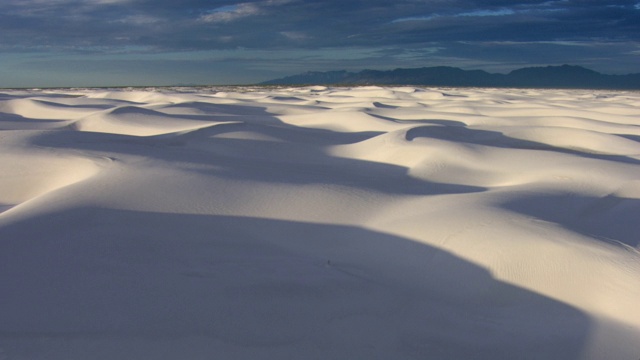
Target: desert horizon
point(532, 77)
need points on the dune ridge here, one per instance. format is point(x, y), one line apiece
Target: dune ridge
point(320, 222)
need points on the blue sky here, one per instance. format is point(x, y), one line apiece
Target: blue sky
point(168, 42)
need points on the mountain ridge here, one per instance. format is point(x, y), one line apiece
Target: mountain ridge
point(563, 76)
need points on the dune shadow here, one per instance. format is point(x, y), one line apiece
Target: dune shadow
point(259, 148)
point(604, 218)
point(54, 104)
point(207, 108)
point(270, 288)
point(442, 122)
point(635, 138)
point(219, 116)
point(30, 94)
point(497, 139)
point(10, 121)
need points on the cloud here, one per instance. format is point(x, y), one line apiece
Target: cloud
point(500, 12)
point(478, 13)
point(269, 24)
point(234, 12)
point(139, 19)
point(231, 13)
point(393, 33)
point(294, 35)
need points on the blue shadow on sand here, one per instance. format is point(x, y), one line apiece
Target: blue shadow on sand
point(103, 283)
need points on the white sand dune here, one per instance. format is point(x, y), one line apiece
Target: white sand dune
point(320, 223)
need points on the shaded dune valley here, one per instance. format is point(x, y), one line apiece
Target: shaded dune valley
point(319, 223)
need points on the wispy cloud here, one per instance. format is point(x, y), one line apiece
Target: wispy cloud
point(416, 18)
point(500, 12)
point(475, 13)
point(231, 13)
point(295, 35)
point(139, 19)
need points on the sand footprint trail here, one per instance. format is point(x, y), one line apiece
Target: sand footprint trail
point(318, 222)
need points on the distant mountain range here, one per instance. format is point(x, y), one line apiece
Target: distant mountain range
point(565, 76)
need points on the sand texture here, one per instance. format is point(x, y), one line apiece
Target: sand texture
point(319, 223)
